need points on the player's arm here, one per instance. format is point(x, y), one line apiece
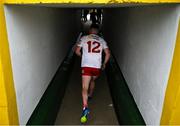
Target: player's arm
point(78, 50)
point(107, 53)
point(79, 46)
point(107, 57)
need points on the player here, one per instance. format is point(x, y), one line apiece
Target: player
point(92, 46)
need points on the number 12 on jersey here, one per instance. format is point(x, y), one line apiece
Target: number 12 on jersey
point(95, 49)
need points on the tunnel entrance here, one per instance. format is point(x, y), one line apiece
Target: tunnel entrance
point(141, 37)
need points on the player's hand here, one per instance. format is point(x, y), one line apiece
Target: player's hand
point(79, 55)
point(103, 66)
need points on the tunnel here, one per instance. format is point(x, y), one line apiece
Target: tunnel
point(46, 73)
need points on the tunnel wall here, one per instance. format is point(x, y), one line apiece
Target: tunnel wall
point(39, 38)
point(143, 40)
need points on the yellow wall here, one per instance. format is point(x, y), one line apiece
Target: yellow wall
point(3, 101)
point(8, 106)
point(171, 110)
point(90, 1)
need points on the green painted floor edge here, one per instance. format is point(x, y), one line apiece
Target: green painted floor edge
point(46, 111)
point(126, 109)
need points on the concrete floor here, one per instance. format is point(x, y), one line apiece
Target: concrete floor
point(101, 108)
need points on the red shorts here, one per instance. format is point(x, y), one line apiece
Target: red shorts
point(89, 71)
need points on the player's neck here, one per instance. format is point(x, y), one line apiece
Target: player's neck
point(93, 33)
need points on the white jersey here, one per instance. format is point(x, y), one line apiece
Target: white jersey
point(92, 47)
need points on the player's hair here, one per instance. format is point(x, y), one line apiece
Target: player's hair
point(95, 26)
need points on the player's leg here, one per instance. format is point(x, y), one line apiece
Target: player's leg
point(96, 73)
point(85, 85)
point(92, 86)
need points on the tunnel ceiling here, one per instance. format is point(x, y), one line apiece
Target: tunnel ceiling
point(92, 5)
point(71, 5)
point(88, 1)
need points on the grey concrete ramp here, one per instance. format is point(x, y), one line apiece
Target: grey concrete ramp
point(101, 108)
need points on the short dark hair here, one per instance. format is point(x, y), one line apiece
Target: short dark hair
point(94, 26)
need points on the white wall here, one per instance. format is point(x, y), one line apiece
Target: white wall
point(143, 40)
point(39, 38)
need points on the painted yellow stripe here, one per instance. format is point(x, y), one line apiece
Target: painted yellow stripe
point(8, 106)
point(171, 109)
point(89, 1)
point(3, 102)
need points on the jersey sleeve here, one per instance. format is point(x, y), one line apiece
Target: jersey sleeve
point(80, 41)
point(104, 44)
